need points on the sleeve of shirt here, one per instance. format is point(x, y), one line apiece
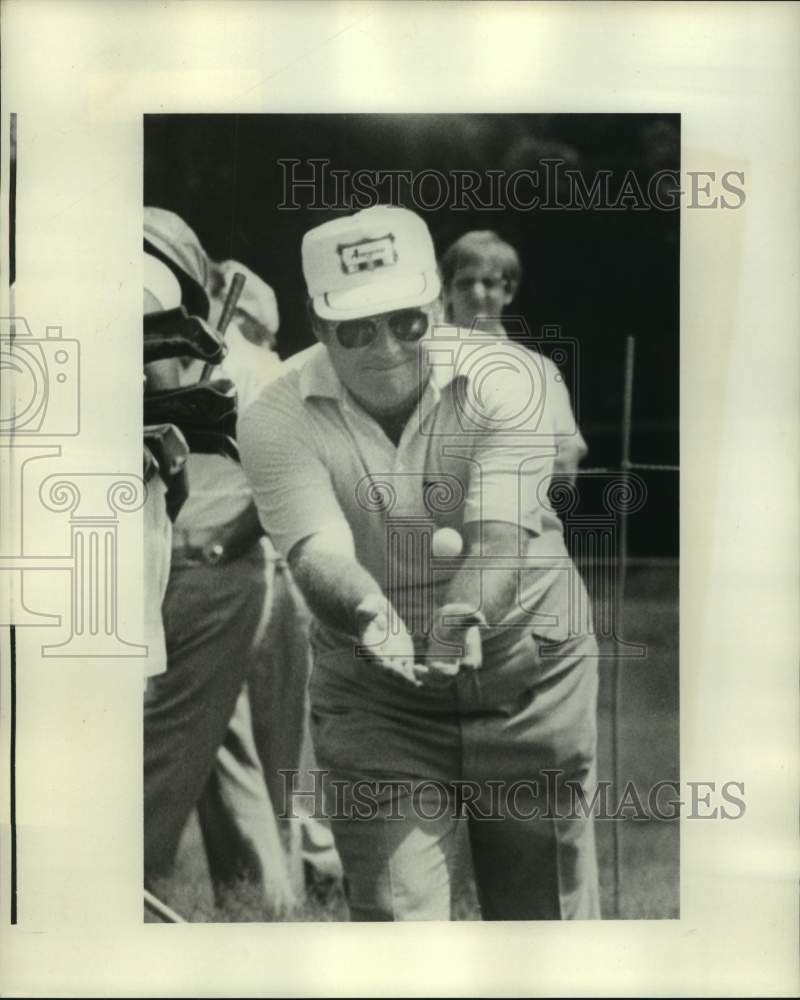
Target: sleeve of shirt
point(572, 448)
point(291, 484)
point(513, 457)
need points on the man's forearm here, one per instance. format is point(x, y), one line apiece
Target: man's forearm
point(334, 586)
point(491, 592)
point(343, 595)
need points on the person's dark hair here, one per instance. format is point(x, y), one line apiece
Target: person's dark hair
point(477, 246)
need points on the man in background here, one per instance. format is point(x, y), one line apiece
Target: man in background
point(481, 274)
point(199, 731)
point(162, 293)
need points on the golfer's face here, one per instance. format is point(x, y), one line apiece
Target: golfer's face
point(377, 357)
point(477, 290)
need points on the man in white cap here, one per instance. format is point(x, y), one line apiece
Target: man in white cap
point(443, 690)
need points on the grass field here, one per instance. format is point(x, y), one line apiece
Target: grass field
point(648, 721)
point(649, 752)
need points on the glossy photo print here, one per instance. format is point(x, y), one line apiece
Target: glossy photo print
point(399, 516)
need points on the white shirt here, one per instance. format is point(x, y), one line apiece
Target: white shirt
point(480, 447)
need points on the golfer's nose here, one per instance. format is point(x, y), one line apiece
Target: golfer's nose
point(386, 344)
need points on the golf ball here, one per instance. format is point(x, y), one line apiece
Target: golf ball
point(447, 543)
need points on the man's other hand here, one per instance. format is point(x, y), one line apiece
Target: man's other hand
point(384, 634)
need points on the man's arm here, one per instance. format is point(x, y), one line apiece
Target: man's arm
point(297, 503)
point(333, 582)
point(495, 592)
point(572, 448)
point(342, 594)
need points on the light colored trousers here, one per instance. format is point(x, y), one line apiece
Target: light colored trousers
point(401, 759)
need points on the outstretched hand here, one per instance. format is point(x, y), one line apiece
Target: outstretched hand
point(384, 635)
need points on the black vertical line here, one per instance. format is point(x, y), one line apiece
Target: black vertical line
point(12, 784)
point(12, 204)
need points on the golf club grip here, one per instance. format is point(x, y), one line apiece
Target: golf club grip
point(234, 293)
point(237, 284)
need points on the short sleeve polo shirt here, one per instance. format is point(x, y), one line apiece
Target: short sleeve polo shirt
point(479, 447)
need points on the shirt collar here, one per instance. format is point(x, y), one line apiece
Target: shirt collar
point(317, 377)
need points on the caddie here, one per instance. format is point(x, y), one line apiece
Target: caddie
point(447, 688)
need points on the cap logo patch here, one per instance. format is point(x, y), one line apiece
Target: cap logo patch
point(367, 255)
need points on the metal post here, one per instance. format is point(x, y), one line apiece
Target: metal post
point(616, 673)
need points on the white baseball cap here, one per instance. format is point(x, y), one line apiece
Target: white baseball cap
point(376, 261)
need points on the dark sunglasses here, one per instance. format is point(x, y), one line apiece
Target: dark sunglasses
point(407, 326)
